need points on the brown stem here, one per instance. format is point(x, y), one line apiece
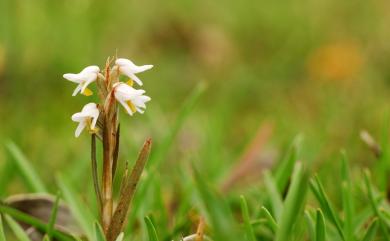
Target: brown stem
point(106, 178)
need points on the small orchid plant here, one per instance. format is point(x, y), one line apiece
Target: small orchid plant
point(101, 120)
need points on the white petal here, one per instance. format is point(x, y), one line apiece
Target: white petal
point(142, 68)
point(80, 128)
point(124, 104)
point(77, 90)
point(136, 79)
point(91, 69)
point(73, 77)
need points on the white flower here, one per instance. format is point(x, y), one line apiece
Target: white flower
point(129, 69)
point(86, 118)
point(133, 100)
point(84, 78)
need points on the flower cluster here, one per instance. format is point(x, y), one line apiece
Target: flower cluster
point(133, 100)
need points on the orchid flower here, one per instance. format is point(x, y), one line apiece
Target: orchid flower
point(128, 68)
point(86, 118)
point(83, 79)
point(131, 99)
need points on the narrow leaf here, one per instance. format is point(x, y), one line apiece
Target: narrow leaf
point(127, 192)
point(293, 204)
point(320, 226)
point(16, 229)
point(2, 235)
point(151, 229)
point(250, 234)
point(53, 217)
point(371, 231)
point(26, 169)
point(99, 234)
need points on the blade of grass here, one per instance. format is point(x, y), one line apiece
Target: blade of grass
point(99, 234)
point(185, 111)
point(151, 229)
point(36, 223)
point(53, 217)
point(320, 226)
point(294, 203)
point(347, 199)
point(382, 222)
point(2, 235)
point(286, 167)
point(31, 178)
point(219, 213)
point(274, 195)
point(20, 234)
point(371, 231)
point(250, 233)
point(81, 214)
point(310, 226)
point(270, 220)
point(326, 207)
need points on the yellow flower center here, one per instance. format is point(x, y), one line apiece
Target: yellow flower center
point(87, 92)
point(130, 82)
point(131, 105)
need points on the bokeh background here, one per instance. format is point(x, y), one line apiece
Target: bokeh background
point(316, 67)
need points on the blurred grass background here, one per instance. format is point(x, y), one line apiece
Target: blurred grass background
point(314, 67)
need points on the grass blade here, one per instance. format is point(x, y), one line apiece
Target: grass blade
point(286, 167)
point(36, 223)
point(347, 199)
point(2, 235)
point(218, 211)
point(151, 229)
point(81, 214)
point(310, 226)
point(20, 234)
point(26, 169)
point(326, 207)
point(382, 222)
point(293, 204)
point(371, 231)
point(320, 226)
point(270, 220)
point(99, 234)
point(274, 195)
point(250, 233)
point(53, 217)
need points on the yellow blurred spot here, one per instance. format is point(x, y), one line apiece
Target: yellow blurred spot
point(130, 82)
point(87, 92)
point(131, 105)
point(336, 61)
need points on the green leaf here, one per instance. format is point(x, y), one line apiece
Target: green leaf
point(16, 229)
point(250, 233)
point(274, 195)
point(99, 234)
point(310, 225)
point(2, 235)
point(151, 229)
point(270, 220)
point(36, 223)
point(382, 221)
point(286, 167)
point(293, 203)
point(26, 169)
point(218, 211)
point(81, 214)
point(347, 199)
point(371, 231)
point(53, 217)
point(326, 207)
point(186, 108)
point(320, 226)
